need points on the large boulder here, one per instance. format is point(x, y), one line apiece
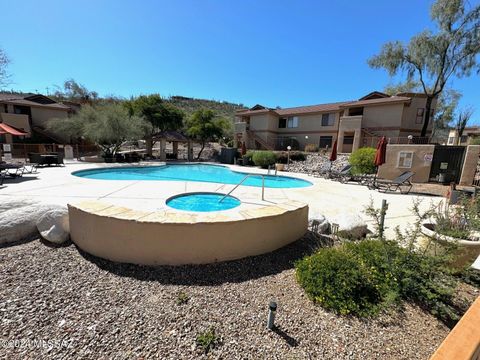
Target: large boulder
point(53, 226)
point(350, 226)
point(18, 219)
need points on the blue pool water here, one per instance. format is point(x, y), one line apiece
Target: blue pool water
point(202, 202)
point(192, 172)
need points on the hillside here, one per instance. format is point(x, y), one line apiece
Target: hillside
point(189, 105)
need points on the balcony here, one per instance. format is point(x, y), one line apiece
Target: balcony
point(351, 122)
point(241, 127)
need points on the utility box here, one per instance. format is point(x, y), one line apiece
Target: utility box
point(68, 152)
point(227, 155)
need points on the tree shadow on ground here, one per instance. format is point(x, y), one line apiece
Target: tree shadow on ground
point(218, 273)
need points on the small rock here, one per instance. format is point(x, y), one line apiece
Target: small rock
point(53, 225)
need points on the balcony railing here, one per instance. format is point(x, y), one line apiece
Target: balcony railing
point(241, 127)
point(401, 140)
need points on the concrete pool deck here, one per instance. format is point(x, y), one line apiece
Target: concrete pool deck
point(57, 185)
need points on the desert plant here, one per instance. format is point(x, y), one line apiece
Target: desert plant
point(361, 278)
point(297, 156)
point(205, 126)
point(182, 298)
point(311, 148)
point(335, 279)
point(109, 126)
point(264, 158)
point(207, 340)
point(363, 161)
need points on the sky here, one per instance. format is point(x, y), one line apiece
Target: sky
point(273, 52)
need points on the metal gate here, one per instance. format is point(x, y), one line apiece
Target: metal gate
point(447, 163)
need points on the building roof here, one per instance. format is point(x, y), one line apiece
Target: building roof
point(373, 98)
point(37, 100)
point(388, 100)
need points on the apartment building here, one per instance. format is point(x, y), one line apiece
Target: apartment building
point(470, 135)
point(30, 112)
point(353, 124)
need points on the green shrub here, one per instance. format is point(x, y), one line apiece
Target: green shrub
point(207, 340)
point(311, 148)
point(264, 158)
point(182, 298)
point(297, 156)
point(475, 141)
point(282, 157)
point(247, 158)
point(363, 277)
point(363, 161)
point(335, 279)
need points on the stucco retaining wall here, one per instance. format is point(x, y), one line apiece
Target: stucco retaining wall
point(176, 238)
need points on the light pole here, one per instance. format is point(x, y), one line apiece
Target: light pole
point(410, 137)
point(288, 155)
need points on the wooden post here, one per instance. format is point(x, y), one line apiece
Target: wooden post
point(383, 212)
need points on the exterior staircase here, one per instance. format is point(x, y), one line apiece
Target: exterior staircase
point(264, 143)
point(41, 131)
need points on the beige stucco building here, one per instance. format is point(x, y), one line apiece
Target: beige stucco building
point(353, 123)
point(30, 113)
point(469, 135)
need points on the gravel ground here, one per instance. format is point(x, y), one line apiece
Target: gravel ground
point(57, 302)
point(318, 162)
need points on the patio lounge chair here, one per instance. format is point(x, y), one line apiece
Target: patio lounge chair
point(12, 170)
point(403, 180)
point(340, 175)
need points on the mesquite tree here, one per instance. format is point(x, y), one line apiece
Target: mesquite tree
point(433, 57)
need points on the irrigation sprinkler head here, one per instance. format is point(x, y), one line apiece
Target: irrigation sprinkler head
point(272, 310)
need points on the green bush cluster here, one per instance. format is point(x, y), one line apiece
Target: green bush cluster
point(282, 156)
point(363, 161)
point(364, 277)
point(459, 221)
point(264, 158)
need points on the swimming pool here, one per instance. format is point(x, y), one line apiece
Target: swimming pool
point(203, 202)
point(191, 172)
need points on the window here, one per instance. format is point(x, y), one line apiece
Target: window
point(419, 118)
point(451, 139)
point(463, 139)
point(405, 159)
point(292, 122)
point(325, 141)
point(328, 119)
point(282, 123)
point(348, 139)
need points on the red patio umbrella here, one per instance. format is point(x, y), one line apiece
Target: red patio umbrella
point(7, 129)
point(381, 152)
point(244, 148)
point(333, 155)
point(380, 156)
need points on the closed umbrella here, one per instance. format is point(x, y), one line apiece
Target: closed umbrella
point(380, 156)
point(333, 155)
point(381, 152)
point(244, 148)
